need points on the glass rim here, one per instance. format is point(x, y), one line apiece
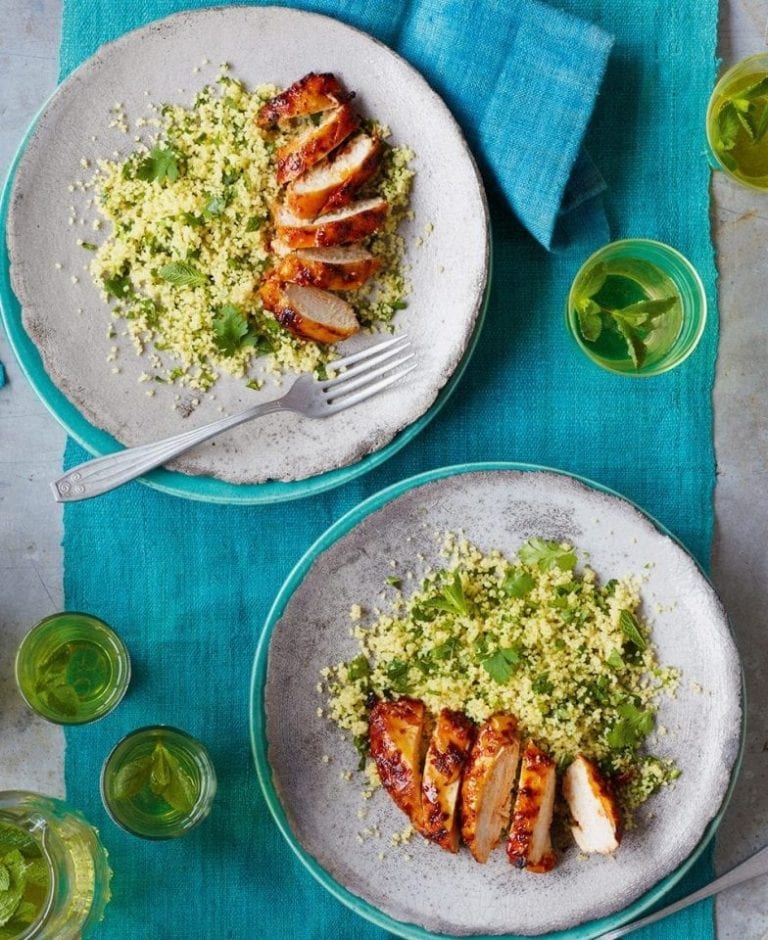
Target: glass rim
point(698, 286)
point(203, 804)
point(723, 80)
point(110, 703)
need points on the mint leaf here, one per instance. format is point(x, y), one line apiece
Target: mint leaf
point(645, 311)
point(631, 629)
point(15, 837)
point(132, 777)
point(26, 912)
point(746, 122)
point(62, 699)
point(761, 124)
point(5, 878)
point(546, 555)
point(757, 90)
point(229, 329)
point(182, 274)
point(37, 872)
point(593, 281)
point(635, 344)
point(181, 793)
point(631, 728)
point(161, 164)
point(727, 126)
point(590, 321)
point(160, 774)
point(10, 897)
point(518, 583)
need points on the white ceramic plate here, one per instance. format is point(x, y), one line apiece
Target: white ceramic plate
point(309, 628)
point(263, 44)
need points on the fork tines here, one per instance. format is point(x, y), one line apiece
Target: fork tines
point(368, 372)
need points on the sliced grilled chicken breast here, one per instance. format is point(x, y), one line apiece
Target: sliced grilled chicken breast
point(333, 183)
point(486, 788)
point(529, 845)
point(597, 824)
point(309, 95)
point(447, 754)
point(343, 268)
point(309, 147)
point(396, 732)
point(352, 224)
point(309, 312)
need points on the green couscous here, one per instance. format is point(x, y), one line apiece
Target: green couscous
point(539, 637)
point(189, 236)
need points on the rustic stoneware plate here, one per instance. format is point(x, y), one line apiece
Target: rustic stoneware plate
point(64, 346)
point(432, 892)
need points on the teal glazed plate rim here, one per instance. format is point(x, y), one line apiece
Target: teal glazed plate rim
point(278, 459)
point(325, 844)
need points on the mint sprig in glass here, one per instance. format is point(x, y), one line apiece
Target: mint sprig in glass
point(158, 782)
point(636, 307)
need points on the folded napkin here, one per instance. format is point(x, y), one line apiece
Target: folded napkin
point(499, 64)
point(188, 585)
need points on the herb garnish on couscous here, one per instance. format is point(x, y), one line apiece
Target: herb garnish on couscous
point(538, 637)
point(191, 240)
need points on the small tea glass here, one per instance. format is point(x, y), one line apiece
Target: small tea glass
point(639, 274)
point(737, 123)
point(58, 864)
point(158, 782)
point(72, 668)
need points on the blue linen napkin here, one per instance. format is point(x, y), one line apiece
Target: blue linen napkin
point(188, 585)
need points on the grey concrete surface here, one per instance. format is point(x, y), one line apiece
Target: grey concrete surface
point(31, 442)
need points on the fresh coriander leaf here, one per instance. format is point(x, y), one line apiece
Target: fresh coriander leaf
point(160, 164)
point(5, 877)
point(727, 126)
point(614, 660)
point(635, 344)
point(631, 629)
point(397, 673)
point(132, 777)
point(547, 555)
point(590, 321)
point(631, 728)
point(181, 793)
point(214, 207)
point(117, 286)
point(451, 599)
point(593, 281)
point(89, 246)
point(255, 222)
point(395, 581)
point(517, 583)
point(542, 685)
point(498, 668)
point(358, 668)
point(160, 773)
point(260, 343)
point(757, 90)
point(182, 274)
point(230, 329)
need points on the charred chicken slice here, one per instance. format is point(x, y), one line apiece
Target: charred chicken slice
point(343, 268)
point(529, 845)
point(597, 824)
point(309, 95)
point(486, 789)
point(396, 732)
point(446, 756)
point(333, 183)
point(309, 312)
point(309, 147)
point(349, 225)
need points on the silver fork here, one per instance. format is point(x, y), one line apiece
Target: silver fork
point(364, 374)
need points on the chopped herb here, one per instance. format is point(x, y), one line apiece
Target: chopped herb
point(214, 207)
point(631, 728)
point(118, 286)
point(631, 629)
point(614, 660)
point(160, 164)
point(395, 581)
point(547, 555)
point(182, 274)
point(89, 246)
point(518, 583)
point(358, 668)
point(255, 222)
point(502, 664)
point(451, 598)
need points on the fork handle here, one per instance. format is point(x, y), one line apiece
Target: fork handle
point(754, 866)
point(106, 473)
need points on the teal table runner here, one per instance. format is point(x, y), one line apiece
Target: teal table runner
point(188, 585)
